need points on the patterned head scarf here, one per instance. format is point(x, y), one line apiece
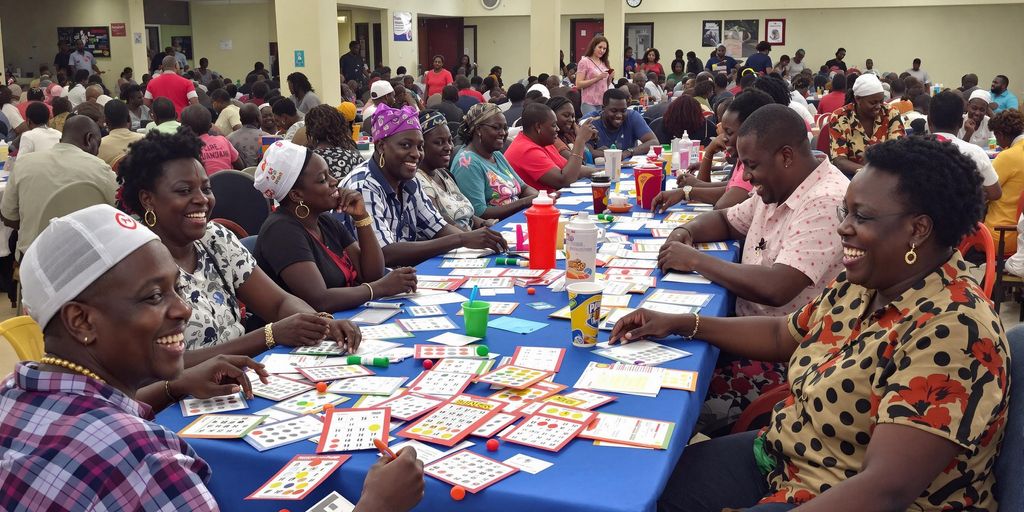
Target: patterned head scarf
point(281, 166)
point(348, 110)
point(388, 121)
point(477, 114)
point(430, 119)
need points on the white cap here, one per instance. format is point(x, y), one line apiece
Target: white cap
point(866, 85)
point(380, 88)
point(542, 88)
point(72, 253)
point(279, 169)
point(981, 94)
point(543, 198)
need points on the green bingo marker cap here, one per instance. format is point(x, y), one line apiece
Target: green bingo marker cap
point(605, 216)
point(481, 350)
point(369, 361)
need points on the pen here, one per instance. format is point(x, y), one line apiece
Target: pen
point(382, 305)
point(384, 450)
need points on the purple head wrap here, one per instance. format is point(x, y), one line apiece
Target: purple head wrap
point(388, 121)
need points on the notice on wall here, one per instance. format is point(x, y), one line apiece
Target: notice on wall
point(402, 25)
point(226, 44)
point(300, 58)
point(118, 30)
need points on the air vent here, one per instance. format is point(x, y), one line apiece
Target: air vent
point(490, 4)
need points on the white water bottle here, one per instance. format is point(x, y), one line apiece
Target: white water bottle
point(685, 147)
point(581, 235)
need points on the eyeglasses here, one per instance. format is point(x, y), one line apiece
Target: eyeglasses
point(495, 127)
point(842, 212)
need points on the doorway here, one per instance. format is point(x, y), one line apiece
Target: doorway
point(469, 43)
point(152, 42)
point(378, 57)
point(582, 32)
point(440, 36)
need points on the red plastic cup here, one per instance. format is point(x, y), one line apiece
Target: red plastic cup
point(648, 184)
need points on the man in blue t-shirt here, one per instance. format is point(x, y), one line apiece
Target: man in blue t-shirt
point(720, 62)
point(760, 61)
point(1001, 95)
point(617, 124)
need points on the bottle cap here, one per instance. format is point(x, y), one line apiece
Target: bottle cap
point(543, 198)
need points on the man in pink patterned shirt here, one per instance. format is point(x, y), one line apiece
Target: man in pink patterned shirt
point(791, 250)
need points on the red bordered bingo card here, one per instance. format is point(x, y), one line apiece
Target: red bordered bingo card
point(329, 373)
point(539, 358)
point(581, 399)
point(629, 430)
point(453, 420)
point(496, 424)
point(551, 427)
point(354, 429)
point(515, 377)
point(441, 383)
point(537, 391)
point(440, 352)
point(470, 470)
point(298, 477)
point(410, 405)
point(277, 388)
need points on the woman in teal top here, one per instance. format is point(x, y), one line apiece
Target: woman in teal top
point(481, 171)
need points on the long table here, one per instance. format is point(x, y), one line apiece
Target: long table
point(583, 477)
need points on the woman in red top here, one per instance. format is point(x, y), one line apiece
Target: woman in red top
point(437, 78)
point(650, 62)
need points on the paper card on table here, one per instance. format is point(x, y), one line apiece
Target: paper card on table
point(680, 277)
point(324, 348)
point(432, 323)
point(221, 426)
point(440, 299)
point(445, 283)
point(563, 312)
point(615, 288)
point(540, 306)
point(516, 377)
point(453, 339)
point(223, 403)
point(453, 420)
point(613, 318)
point(289, 431)
point(643, 215)
point(632, 263)
point(330, 373)
point(496, 424)
point(458, 365)
point(375, 385)
point(654, 224)
point(583, 399)
point(550, 431)
point(425, 310)
point(277, 388)
point(524, 272)
point(681, 298)
point(437, 383)
point(547, 359)
point(661, 232)
point(466, 252)
point(493, 292)
point(334, 502)
point(368, 401)
point(373, 346)
point(628, 225)
point(621, 378)
point(427, 453)
point(382, 332)
point(348, 430)
point(712, 246)
point(489, 282)
point(516, 325)
point(497, 308)
point(680, 217)
point(528, 464)
point(673, 309)
point(289, 363)
point(535, 392)
point(310, 402)
point(572, 201)
point(479, 272)
point(441, 352)
point(411, 405)
point(397, 354)
point(274, 415)
point(299, 477)
point(472, 471)
point(685, 380)
point(630, 275)
point(654, 247)
point(615, 301)
point(549, 277)
point(628, 430)
point(643, 352)
point(373, 316)
point(465, 263)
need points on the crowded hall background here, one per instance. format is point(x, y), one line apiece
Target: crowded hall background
point(611, 255)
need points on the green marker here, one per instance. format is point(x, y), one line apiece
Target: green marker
point(606, 217)
point(382, 362)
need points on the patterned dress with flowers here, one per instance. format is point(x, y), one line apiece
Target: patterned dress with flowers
point(935, 359)
point(486, 183)
point(849, 138)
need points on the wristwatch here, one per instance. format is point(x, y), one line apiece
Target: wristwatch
point(686, 191)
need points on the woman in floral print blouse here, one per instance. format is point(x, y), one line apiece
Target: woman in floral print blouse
point(897, 371)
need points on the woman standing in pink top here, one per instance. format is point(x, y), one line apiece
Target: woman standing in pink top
point(594, 74)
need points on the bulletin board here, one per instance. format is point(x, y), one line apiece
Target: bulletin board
point(96, 39)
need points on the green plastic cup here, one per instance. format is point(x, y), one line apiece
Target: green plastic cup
point(474, 314)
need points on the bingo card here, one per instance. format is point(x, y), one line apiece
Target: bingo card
point(440, 352)
point(223, 403)
point(367, 385)
point(550, 428)
point(643, 352)
point(284, 432)
point(277, 388)
point(298, 477)
point(333, 502)
point(354, 429)
point(433, 382)
point(327, 373)
point(309, 402)
point(470, 470)
point(471, 366)
point(324, 348)
point(221, 426)
point(453, 420)
point(537, 391)
point(515, 377)
point(496, 424)
point(410, 405)
point(539, 358)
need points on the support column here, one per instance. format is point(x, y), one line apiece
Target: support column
point(404, 52)
point(2, 68)
point(136, 28)
point(615, 31)
point(310, 27)
point(545, 36)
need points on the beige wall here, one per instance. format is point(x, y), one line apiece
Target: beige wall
point(503, 41)
point(250, 28)
point(947, 53)
point(169, 31)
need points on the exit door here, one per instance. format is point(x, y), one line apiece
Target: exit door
point(582, 32)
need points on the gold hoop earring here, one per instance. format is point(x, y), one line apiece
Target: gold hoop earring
point(303, 206)
point(380, 161)
point(910, 257)
point(150, 214)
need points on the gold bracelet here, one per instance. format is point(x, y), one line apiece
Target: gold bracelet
point(362, 223)
point(268, 335)
point(167, 390)
point(696, 325)
point(371, 290)
point(325, 316)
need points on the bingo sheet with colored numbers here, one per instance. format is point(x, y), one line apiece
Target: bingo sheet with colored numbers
point(221, 426)
point(284, 432)
point(354, 429)
point(410, 405)
point(309, 402)
point(441, 383)
point(277, 388)
point(550, 428)
point(438, 352)
point(327, 373)
point(223, 403)
point(470, 470)
point(453, 420)
point(515, 377)
point(298, 477)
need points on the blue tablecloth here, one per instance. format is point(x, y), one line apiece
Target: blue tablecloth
point(583, 477)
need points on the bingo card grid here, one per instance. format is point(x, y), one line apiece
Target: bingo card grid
point(354, 429)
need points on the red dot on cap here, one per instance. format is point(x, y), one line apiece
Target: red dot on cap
point(458, 493)
point(492, 445)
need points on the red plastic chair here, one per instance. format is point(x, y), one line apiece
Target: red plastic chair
point(981, 240)
point(761, 406)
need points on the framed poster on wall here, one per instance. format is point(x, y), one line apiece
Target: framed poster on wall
point(711, 33)
point(775, 31)
point(95, 39)
point(740, 37)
